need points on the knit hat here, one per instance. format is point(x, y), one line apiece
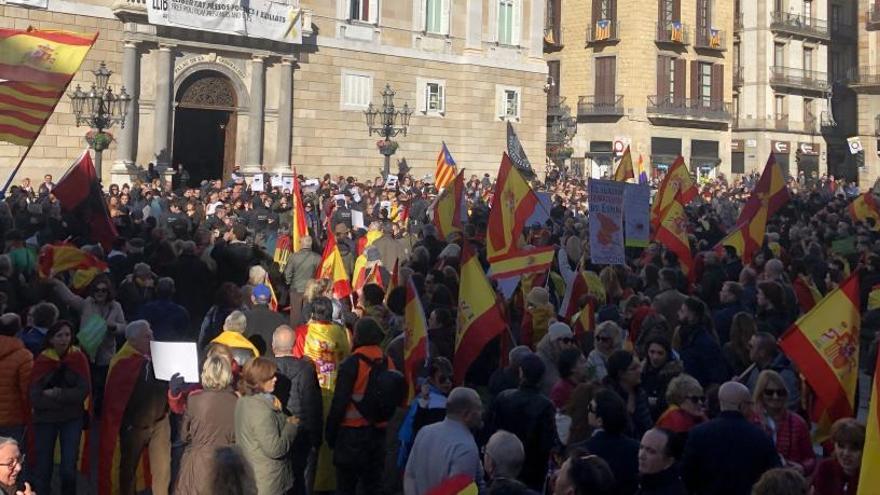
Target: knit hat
point(538, 296)
point(559, 330)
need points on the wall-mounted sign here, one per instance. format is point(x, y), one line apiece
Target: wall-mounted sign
point(781, 147)
point(809, 148)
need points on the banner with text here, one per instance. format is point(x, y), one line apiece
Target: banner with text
point(39, 4)
point(277, 21)
point(636, 214)
point(606, 222)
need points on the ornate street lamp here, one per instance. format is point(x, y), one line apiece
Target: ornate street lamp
point(561, 129)
point(99, 109)
point(388, 122)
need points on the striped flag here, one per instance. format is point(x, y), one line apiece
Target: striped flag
point(676, 32)
point(624, 170)
point(864, 207)
point(512, 204)
point(445, 172)
point(415, 337)
point(24, 110)
point(642, 170)
point(603, 29)
point(461, 484)
point(584, 283)
point(677, 182)
point(537, 260)
point(331, 267)
point(448, 210)
point(869, 477)
point(58, 258)
point(673, 233)
point(298, 228)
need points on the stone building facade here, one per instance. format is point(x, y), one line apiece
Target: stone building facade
point(652, 74)
point(212, 101)
point(863, 79)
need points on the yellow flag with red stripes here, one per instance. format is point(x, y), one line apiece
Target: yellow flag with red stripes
point(869, 479)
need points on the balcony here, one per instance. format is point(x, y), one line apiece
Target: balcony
point(865, 79)
point(552, 38)
point(808, 80)
point(666, 107)
point(872, 20)
point(673, 32)
point(810, 124)
point(798, 25)
point(600, 106)
point(780, 123)
point(603, 31)
point(737, 77)
point(711, 39)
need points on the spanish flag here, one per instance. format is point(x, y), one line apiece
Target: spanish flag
point(864, 207)
point(298, 228)
point(445, 171)
point(461, 484)
point(824, 345)
point(415, 337)
point(523, 261)
point(673, 233)
point(512, 204)
point(282, 250)
point(624, 170)
point(331, 267)
point(678, 182)
point(479, 317)
point(42, 57)
point(59, 258)
point(806, 292)
point(869, 477)
point(125, 370)
point(585, 283)
point(448, 209)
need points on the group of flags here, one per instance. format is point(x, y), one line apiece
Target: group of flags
point(625, 170)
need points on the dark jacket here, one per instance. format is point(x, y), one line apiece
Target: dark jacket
point(774, 321)
point(208, 423)
point(655, 381)
point(710, 284)
point(69, 404)
point(622, 455)
point(148, 402)
point(722, 319)
point(640, 420)
point(297, 389)
point(530, 416)
point(503, 379)
point(133, 297)
point(169, 321)
point(702, 357)
point(732, 269)
point(261, 324)
point(234, 261)
point(726, 456)
point(666, 482)
point(194, 285)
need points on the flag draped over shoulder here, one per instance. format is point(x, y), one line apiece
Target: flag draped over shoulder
point(79, 192)
point(673, 233)
point(865, 207)
point(512, 204)
point(415, 337)
point(625, 170)
point(445, 171)
point(479, 317)
point(824, 345)
point(448, 210)
point(331, 267)
point(869, 477)
point(461, 484)
point(59, 258)
point(676, 183)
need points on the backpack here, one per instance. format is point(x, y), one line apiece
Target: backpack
point(385, 391)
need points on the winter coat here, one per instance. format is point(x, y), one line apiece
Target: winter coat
point(622, 455)
point(655, 381)
point(195, 285)
point(301, 267)
point(300, 395)
point(169, 320)
point(208, 424)
point(702, 358)
point(89, 312)
point(261, 324)
point(667, 303)
point(16, 363)
point(133, 297)
point(774, 321)
point(68, 405)
point(640, 420)
point(666, 482)
point(722, 318)
point(265, 437)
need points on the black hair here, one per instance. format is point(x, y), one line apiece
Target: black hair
point(611, 409)
point(367, 331)
point(567, 361)
point(373, 294)
point(618, 363)
point(590, 474)
point(322, 308)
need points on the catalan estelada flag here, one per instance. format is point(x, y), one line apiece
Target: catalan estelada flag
point(673, 233)
point(677, 182)
point(331, 267)
point(714, 38)
point(603, 30)
point(58, 258)
point(676, 32)
point(864, 207)
point(624, 170)
point(461, 484)
point(869, 477)
point(448, 209)
point(479, 317)
point(824, 345)
point(415, 337)
point(445, 171)
point(512, 204)
point(42, 57)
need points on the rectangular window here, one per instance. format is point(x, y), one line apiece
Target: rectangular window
point(779, 54)
point(506, 14)
point(508, 102)
point(808, 11)
point(554, 71)
point(356, 90)
point(511, 103)
point(780, 108)
point(604, 90)
point(808, 60)
point(434, 100)
point(705, 84)
point(360, 10)
point(808, 111)
point(835, 17)
point(433, 16)
point(704, 16)
point(777, 6)
point(673, 77)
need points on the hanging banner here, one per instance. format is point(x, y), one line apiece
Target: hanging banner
point(636, 214)
point(39, 4)
point(606, 222)
point(277, 21)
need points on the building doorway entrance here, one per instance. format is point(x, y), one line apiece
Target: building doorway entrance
point(205, 127)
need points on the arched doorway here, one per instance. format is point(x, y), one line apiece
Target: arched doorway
point(204, 126)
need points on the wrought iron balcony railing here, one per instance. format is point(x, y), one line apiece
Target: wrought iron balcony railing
point(689, 108)
point(711, 39)
point(798, 78)
point(603, 31)
point(864, 77)
point(673, 32)
point(600, 105)
point(790, 23)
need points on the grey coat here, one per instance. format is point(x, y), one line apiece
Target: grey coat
point(301, 267)
point(265, 438)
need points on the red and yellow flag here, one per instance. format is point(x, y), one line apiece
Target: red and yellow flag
point(673, 233)
point(824, 345)
point(461, 484)
point(24, 110)
point(625, 170)
point(448, 208)
point(865, 207)
point(586, 282)
point(445, 171)
point(331, 267)
point(415, 337)
point(58, 258)
point(869, 477)
point(676, 183)
point(512, 204)
point(42, 57)
point(479, 317)
point(298, 227)
point(537, 260)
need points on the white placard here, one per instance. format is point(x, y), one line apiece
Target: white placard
point(391, 182)
point(287, 184)
point(257, 183)
point(273, 20)
point(278, 181)
point(357, 219)
point(175, 357)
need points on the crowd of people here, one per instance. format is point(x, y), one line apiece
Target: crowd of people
point(670, 387)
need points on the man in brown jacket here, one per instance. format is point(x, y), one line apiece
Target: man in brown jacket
point(16, 363)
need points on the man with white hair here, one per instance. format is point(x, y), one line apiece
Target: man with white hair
point(300, 268)
point(447, 449)
point(11, 463)
point(503, 459)
point(234, 327)
point(134, 425)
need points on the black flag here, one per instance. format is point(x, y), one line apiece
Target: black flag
point(517, 154)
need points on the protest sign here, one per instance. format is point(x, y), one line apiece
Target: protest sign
point(175, 357)
point(636, 214)
point(606, 222)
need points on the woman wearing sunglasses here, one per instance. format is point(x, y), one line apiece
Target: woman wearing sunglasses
point(790, 432)
point(687, 405)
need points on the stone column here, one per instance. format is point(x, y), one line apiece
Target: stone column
point(131, 80)
point(257, 112)
point(162, 108)
point(285, 109)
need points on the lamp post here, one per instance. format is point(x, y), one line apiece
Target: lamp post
point(391, 122)
point(99, 109)
point(561, 129)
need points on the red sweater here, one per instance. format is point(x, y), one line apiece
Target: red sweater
point(829, 479)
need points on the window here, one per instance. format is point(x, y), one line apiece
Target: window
point(779, 113)
point(508, 22)
point(779, 54)
point(836, 16)
point(508, 102)
point(605, 10)
point(705, 84)
point(364, 11)
point(436, 16)
point(808, 59)
point(668, 12)
point(357, 89)
point(604, 90)
point(808, 11)
point(809, 117)
point(704, 16)
point(672, 78)
point(777, 6)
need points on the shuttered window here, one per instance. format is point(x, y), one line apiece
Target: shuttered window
point(606, 68)
point(356, 89)
point(508, 22)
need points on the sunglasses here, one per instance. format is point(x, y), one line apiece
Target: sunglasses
point(698, 399)
point(775, 392)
